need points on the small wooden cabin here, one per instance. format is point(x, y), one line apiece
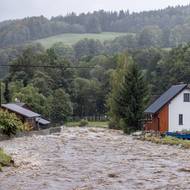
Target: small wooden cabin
point(33, 119)
point(24, 114)
point(171, 111)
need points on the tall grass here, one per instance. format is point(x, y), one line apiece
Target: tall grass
point(167, 141)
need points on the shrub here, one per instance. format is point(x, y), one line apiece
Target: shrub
point(5, 160)
point(124, 127)
point(83, 123)
point(26, 127)
point(114, 124)
point(111, 125)
point(10, 123)
point(121, 125)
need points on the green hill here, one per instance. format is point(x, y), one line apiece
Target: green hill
point(70, 39)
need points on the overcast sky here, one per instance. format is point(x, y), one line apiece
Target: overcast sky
point(11, 9)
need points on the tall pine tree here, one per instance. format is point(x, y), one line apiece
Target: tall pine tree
point(130, 98)
point(7, 92)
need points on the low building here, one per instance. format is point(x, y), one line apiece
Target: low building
point(33, 119)
point(171, 111)
point(42, 123)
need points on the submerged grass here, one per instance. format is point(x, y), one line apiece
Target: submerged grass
point(100, 124)
point(168, 141)
point(5, 160)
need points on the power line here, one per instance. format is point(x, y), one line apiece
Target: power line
point(42, 66)
point(49, 66)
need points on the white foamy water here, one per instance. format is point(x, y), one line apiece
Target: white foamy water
point(89, 158)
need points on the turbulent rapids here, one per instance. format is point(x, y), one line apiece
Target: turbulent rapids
point(92, 158)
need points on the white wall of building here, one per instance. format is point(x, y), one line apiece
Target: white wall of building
point(178, 106)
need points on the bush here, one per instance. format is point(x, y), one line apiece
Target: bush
point(126, 128)
point(10, 123)
point(83, 123)
point(113, 125)
point(5, 160)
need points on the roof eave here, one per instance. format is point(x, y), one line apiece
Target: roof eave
point(16, 112)
point(186, 86)
point(146, 112)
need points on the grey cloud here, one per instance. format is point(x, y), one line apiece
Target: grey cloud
point(10, 9)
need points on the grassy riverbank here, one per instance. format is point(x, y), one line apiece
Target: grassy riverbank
point(167, 140)
point(100, 124)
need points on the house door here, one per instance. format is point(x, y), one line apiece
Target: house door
point(158, 124)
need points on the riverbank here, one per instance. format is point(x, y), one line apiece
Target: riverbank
point(164, 140)
point(99, 124)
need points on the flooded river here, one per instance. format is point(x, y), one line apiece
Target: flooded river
point(93, 159)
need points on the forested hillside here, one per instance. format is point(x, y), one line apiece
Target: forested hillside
point(82, 81)
point(162, 28)
point(81, 76)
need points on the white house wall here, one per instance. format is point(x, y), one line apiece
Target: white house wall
point(178, 106)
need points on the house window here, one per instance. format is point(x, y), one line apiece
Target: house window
point(186, 97)
point(180, 119)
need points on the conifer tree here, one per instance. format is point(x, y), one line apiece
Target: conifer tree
point(129, 101)
point(7, 92)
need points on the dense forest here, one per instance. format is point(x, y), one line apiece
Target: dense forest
point(86, 79)
point(162, 28)
point(80, 84)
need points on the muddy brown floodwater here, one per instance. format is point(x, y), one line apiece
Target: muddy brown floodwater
point(89, 158)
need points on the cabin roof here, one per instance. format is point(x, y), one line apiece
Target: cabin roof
point(42, 121)
point(166, 97)
point(21, 104)
point(20, 110)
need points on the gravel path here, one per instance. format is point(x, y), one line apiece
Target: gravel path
point(88, 159)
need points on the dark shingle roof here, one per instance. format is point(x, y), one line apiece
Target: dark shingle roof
point(165, 98)
point(20, 110)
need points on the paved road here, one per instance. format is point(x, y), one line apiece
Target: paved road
point(93, 159)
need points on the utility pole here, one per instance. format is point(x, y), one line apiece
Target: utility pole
point(0, 94)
